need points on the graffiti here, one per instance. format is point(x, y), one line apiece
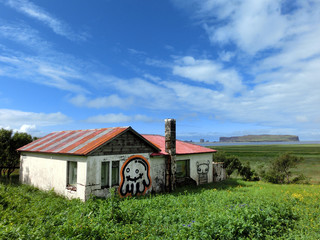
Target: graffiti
point(135, 176)
point(202, 170)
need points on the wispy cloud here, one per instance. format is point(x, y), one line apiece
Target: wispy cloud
point(209, 72)
point(39, 62)
point(254, 25)
point(23, 34)
point(276, 45)
point(118, 118)
point(58, 26)
point(146, 94)
point(102, 102)
point(17, 119)
point(41, 70)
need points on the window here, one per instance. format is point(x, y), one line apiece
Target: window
point(183, 169)
point(115, 173)
point(72, 175)
point(109, 174)
point(105, 174)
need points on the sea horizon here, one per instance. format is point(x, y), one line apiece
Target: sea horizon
point(209, 144)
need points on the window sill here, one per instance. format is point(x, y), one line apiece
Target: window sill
point(72, 188)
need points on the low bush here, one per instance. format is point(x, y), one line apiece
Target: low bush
point(280, 169)
point(232, 163)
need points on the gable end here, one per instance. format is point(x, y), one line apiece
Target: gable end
point(125, 143)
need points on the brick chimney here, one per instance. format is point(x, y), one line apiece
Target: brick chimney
point(170, 148)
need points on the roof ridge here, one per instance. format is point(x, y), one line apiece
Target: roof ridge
point(90, 129)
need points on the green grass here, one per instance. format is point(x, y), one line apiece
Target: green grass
point(261, 155)
point(230, 210)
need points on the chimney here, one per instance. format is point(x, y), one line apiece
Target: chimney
point(170, 136)
point(170, 148)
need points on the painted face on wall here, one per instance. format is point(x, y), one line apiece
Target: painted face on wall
point(203, 168)
point(135, 176)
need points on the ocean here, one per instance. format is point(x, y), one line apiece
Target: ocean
point(208, 144)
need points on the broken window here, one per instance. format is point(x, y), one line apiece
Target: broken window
point(110, 174)
point(183, 169)
point(72, 176)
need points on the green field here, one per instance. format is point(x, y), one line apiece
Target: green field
point(233, 209)
point(260, 155)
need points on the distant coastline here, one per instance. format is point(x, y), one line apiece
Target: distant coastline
point(260, 138)
point(213, 144)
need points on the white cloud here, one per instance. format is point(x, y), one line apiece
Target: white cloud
point(27, 128)
point(42, 70)
point(254, 25)
point(194, 98)
point(23, 34)
point(46, 67)
point(275, 46)
point(151, 77)
point(102, 102)
point(209, 72)
point(146, 94)
point(118, 118)
point(34, 11)
point(226, 56)
point(135, 52)
point(30, 121)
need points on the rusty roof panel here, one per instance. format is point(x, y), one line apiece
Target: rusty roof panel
point(77, 142)
point(181, 147)
point(38, 142)
point(73, 139)
point(96, 139)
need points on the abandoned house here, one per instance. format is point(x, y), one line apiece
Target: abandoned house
point(81, 163)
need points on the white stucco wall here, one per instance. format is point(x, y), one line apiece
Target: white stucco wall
point(158, 168)
point(157, 165)
point(49, 171)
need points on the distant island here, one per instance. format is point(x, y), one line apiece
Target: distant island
point(261, 138)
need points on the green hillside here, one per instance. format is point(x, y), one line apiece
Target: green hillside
point(261, 138)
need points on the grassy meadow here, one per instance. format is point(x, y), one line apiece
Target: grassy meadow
point(233, 209)
point(260, 155)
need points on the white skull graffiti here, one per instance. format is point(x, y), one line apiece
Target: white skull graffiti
point(135, 177)
point(203, 168)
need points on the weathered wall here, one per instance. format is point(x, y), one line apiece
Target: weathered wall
point(219, 173)
point(158, 172)
point(200, 166)
point(145, 184)
point(48, 172)
point(139, 173)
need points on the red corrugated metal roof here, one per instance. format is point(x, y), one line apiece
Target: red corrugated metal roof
point(76, 142)
point(82, 142)
point(181, 147)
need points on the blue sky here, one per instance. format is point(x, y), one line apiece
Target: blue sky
point(221, 68)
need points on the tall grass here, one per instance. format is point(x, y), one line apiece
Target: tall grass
point(233, 210)
point(261, 155)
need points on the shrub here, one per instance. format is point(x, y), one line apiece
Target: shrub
point(279, 170)
point(232, 163)
point(247, 173)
